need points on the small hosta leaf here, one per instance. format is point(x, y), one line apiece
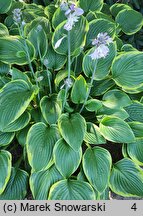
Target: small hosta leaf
point(72, 128)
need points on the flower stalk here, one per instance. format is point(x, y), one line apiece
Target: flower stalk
point(101, 51)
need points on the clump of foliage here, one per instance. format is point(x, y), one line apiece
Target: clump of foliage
point(71, 86)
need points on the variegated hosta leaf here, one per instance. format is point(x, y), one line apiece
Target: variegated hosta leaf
point(3, 30)
point(6, 138)
point(93, 135)
point(77, 37)
point(5, 6)
point(91, 5)
point(79, 90)
point(97, 165)
point(130, 21)
point(115, 99)
point(103, 64)
point(117, 7)
point(116, 130)
point(72, 128)
point(55, 61)
point(17, 185)
point(135, 151)
point(38, 38)
point(71, 190)
point(127, 70)
point(40, 182)
point(13, 50)
point(127, 179)
point(38, 21)
point(15, 97)
point(50, 109)
point(66, 159)
point(5, 169)
point(135, 111)
point(40, 143)
point(58, 17)
point(100, 25)
point(19, 123)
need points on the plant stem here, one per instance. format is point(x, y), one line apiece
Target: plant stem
point(89, 89)
point(49, 81)
point(69, 56)
point(20, 28)
point(69, 69)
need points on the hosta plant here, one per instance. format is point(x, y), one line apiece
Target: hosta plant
point(71, 104)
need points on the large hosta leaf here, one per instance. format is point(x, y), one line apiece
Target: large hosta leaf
point(96, 165)
point(13, 50)
point(100, 25)
point(117, 7)
point(137, 128)
point(19, 123)
point(135, 151)
point(127, 178)
point(72, 128)
point(40, 142)
point(6, 138)
point(115, 99)
point(40, 182)
point(66, 159)
point(58, 17)
point(127, 70)
point(15, 97)
point(116, 130)
point(5, 169)
point(91, 5)
point(77, 37)
point(55, 61)
point(50, 108)
point(17, 186)
point(130, 21)
point(40, 20)
point(38, 38)
point(71, 190)
point(103, 64)
point(135, 111)
point(5, 6)
point(3, 30)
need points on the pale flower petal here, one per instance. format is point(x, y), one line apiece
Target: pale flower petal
point(58, 43)
point(100, 52)
point(78, 11)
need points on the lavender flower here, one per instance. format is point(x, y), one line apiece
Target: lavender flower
point(102, 38)
point(101, 46)
point(17, 13)
point(72, 19)
point(100, 52)
point(72, 13)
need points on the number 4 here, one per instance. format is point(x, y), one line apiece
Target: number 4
point(134, 207)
